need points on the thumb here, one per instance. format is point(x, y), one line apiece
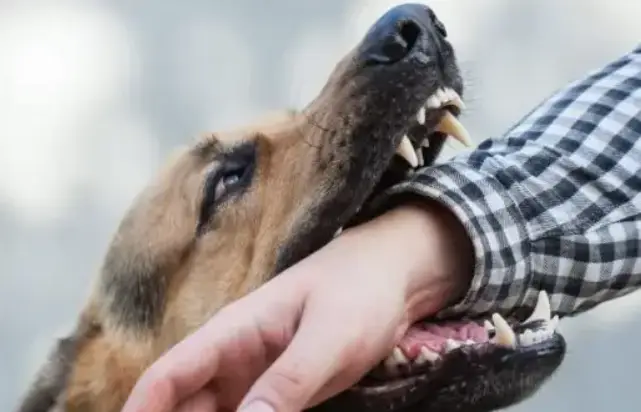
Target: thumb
point(312, 359)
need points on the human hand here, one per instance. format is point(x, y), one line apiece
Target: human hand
point(318, 327)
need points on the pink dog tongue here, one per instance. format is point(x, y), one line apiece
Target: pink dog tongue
point(437, 337)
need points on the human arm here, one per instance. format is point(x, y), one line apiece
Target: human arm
point(555, 203)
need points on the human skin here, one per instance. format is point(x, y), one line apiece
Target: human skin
point(320, 325)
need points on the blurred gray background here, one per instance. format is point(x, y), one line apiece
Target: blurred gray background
point(94, 95)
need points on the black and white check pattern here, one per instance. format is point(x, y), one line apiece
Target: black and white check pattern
point(555, 203)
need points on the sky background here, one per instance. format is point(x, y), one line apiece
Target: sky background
point(94, 96)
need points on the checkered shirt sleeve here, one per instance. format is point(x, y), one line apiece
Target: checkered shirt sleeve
point(555, 203)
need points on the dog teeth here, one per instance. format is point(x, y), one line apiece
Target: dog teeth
point(419, 157)
point(426, 355)
point(542, 309)
point(488, 326)
point(529, 337)
point(399, 356)
point(445, 96)
point(406, 151)
point(504, 334)
point(394, 360)
point(420, 116)
point(338, 232)
point(532, 337)
point(451, 126)
point(451, 344)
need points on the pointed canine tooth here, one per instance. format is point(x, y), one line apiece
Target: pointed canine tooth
point(425, 143)
point(420, 116)
point(426, 355)
point(450, 125)
point(542, 309)
point(338, 232)
point(488, 326)
point(406, 151)
point(451, 344)
point(399, 356)
point(504, 333)
point(394, 360)
point(419, 157)
point(526, 338)
point(433, 102)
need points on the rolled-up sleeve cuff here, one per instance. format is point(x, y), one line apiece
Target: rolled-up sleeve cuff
point(494, 223)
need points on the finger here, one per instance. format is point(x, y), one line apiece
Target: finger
point(310, 361)
point(179, 373)
point(192, 363)
point(203, 401)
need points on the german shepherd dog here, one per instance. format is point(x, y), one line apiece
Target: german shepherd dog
point(235, 208)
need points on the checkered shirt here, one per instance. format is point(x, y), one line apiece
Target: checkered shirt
point(555, 203)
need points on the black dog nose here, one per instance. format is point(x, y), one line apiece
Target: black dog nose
point(399, 31)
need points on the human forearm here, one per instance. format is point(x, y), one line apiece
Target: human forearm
point(433, 250)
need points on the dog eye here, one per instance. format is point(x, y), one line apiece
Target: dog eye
point(227, 181)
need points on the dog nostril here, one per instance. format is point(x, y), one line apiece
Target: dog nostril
point(409, 31)
point(399, 43)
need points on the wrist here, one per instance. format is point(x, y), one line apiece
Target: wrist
point(437, 254)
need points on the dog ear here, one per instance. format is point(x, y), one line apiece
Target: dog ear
point(131, 291)
point(46, 392)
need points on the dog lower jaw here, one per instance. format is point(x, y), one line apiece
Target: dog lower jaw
point(471, 379)
point(478, 366)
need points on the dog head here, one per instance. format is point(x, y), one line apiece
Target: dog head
point(237, 207)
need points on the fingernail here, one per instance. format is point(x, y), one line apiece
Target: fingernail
point(257, 406)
